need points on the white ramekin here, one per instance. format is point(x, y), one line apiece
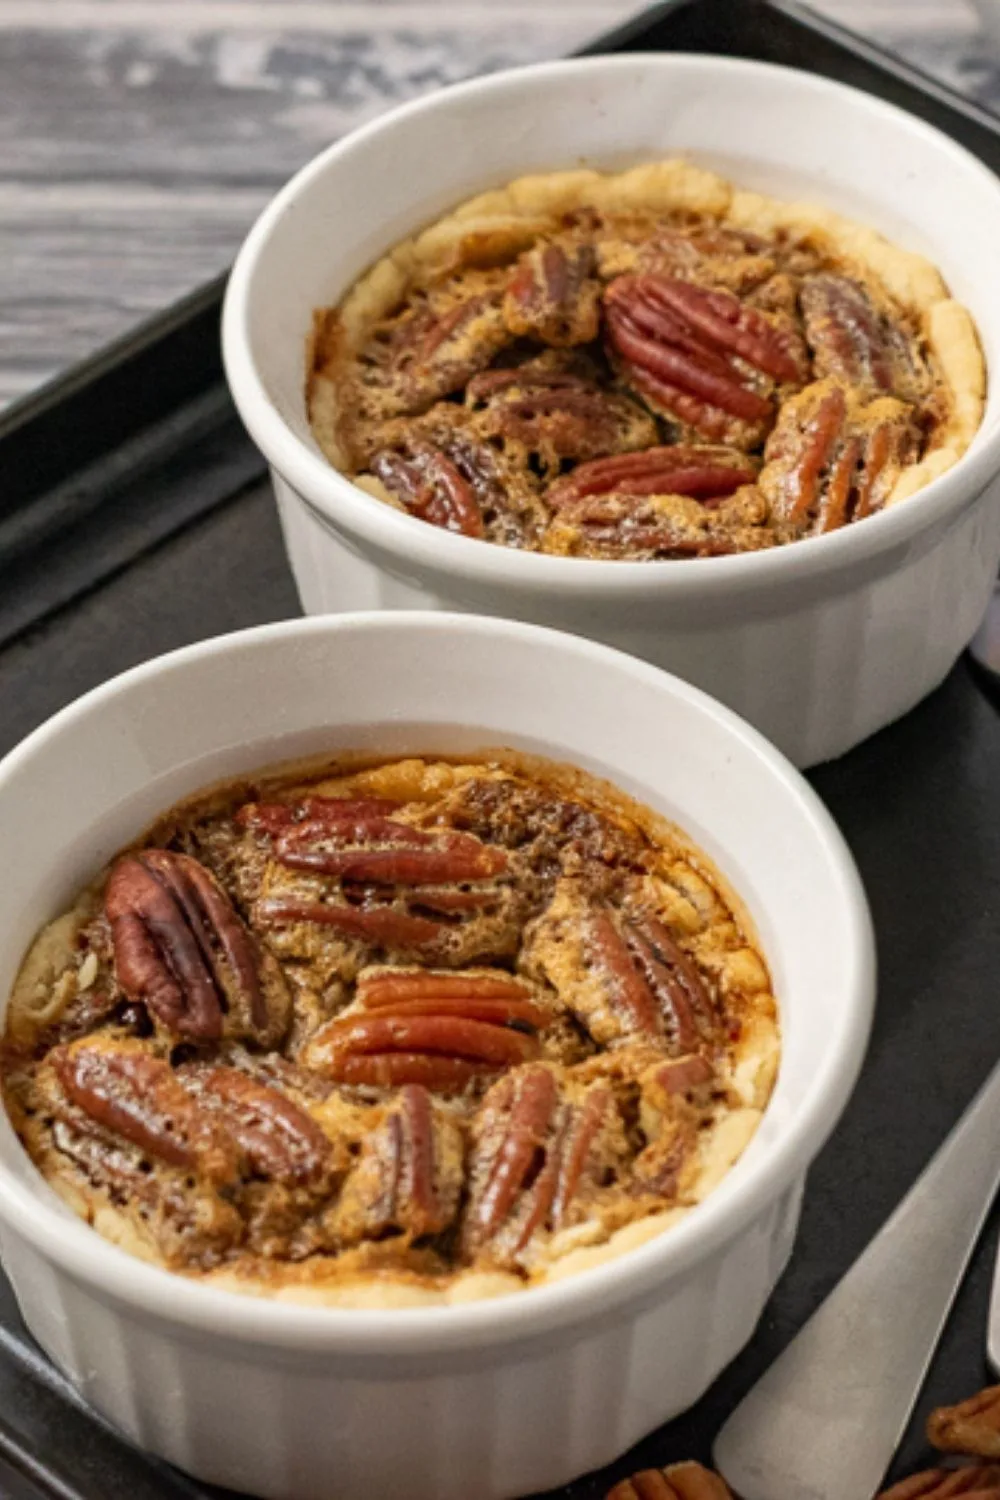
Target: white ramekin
point(818, 644)
point(496, 1398)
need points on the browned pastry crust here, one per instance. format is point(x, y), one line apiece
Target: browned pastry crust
point(419, 1031)
point(643, 365)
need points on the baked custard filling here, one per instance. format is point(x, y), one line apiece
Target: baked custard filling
point(396, 1033)
point(644, 365)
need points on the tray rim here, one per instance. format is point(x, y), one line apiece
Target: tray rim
point(144, 339)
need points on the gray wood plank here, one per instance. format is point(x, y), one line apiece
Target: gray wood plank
point(138, 140)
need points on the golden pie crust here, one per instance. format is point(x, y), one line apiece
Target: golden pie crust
point(486, 236)
point(588, 1040)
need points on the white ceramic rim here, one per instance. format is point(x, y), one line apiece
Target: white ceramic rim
point(383, 527)
point(114, 1274)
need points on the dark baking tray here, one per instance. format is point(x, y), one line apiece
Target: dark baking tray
point(134, 517)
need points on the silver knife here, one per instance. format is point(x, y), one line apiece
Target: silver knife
point(993, 1330)
point(824, 1421)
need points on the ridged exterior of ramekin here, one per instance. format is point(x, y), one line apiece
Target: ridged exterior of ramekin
point(518, 1419)
point(816, 668)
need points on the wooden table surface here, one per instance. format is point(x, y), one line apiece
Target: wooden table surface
point(139, 138)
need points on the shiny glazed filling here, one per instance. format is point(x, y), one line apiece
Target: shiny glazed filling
point(646, 365)
point(420, 1031)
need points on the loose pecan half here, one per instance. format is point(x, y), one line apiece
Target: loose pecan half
point(553, 296)
point(276, 1137)
point(557, 414)
point(182, 951)
point(974, 1482)
point(687, 1481)
point(858, 342)
point(410, 1174)
point(123, 1087)
point(700, 356)
point(972, 1427)
point(535, 1155)
point(831, 459)
point(704, 472)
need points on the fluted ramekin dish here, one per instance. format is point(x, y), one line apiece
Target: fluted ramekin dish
point(496, 1398)
point(819, 643)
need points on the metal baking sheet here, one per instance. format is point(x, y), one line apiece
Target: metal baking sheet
point(167, 534)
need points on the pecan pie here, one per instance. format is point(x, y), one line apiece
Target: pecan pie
point(389, 1032)
point(643, 365)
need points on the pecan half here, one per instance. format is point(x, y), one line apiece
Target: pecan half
point(620, 972)
point(629, 993)
point(277, 1138)
point(515, 1125)
point(535, 1154)
point(443, 473)
point(182, 951)
point(553, 296)
point(410, 1174)
point(857, 341)
point(974, 1482)
point(644, 528)
point(438, 1048)
point(389, 874)
point(700, 356)
point(432, 349)
point(124, 1088)
point(114, 1114)
point(274, 817)
point(687, 1481)
point(683, 1075)
point(382, 926)
point(651, 984)
point(704, 472)
point(190, 1221)
point(557, 414)
point(478, 995)
point(431, 487)
point(384, 851)
point(973, 1426)
point(682, 995)
point(831, 460)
